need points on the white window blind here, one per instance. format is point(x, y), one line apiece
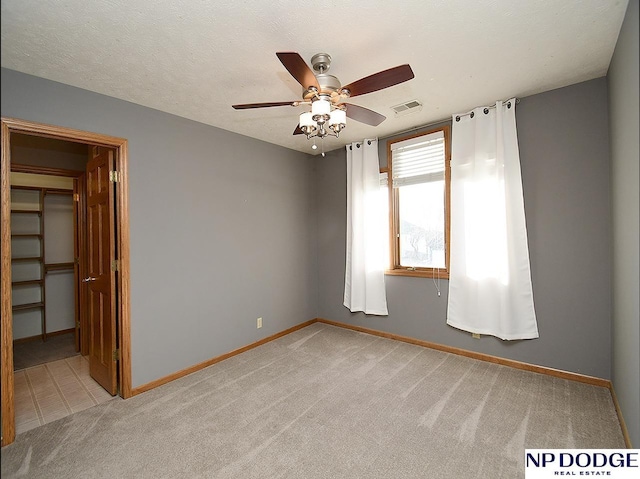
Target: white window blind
point(384, 180)
point(418, 160)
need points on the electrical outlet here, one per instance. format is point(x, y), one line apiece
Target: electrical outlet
point(475, 335)
point(259, 323)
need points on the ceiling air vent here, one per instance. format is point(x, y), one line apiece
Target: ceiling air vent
point(407, 107)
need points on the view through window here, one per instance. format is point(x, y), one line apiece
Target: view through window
point(419, 199)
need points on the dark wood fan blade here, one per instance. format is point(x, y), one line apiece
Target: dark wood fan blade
point(298, 130)
point(380, 80)
point(299, 69)
point(246, 106)
point(364, 115)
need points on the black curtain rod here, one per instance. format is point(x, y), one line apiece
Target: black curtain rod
point(360, 143)
point(486, 109)
point(433, 123)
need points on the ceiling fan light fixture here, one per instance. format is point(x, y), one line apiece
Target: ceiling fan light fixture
point(307, 125)
point(321, 108)
point(326, 95)
point(337, 121)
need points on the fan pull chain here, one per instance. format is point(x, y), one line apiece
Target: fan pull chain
point(437, 285)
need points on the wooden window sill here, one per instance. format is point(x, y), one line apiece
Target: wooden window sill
point(418, 273)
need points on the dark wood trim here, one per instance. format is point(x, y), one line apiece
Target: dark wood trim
point(45, 189)
point(23, 212)
point(623, 425)
point(57, 191)
point(217, 359)
point(26, 259)
point(42, 170)
point(39, 336)
point(594, 381)
point(12, 125)
point(27, 282)
point(6, 376)
point(58, 267)
point(27, 306)
point(122, 242)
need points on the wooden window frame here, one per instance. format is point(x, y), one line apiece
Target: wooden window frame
point(394, 218)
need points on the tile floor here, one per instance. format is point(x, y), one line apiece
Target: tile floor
point(54, 390)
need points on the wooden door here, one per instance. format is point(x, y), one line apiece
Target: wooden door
point(80, 271)
point(76, 259)
point(101, 274)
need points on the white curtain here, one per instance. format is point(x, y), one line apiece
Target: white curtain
point(490, 289)
point(364, 288)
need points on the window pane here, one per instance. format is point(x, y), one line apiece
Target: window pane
point(421, 209)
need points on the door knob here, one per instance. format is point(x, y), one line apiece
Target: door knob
point(86, 280)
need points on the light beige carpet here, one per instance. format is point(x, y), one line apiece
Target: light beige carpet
point(325, 402)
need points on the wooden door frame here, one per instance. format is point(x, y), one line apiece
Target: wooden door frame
point(12, 125)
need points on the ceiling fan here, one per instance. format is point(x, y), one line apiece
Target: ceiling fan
point(326, 96)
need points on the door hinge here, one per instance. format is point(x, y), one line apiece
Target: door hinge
point(78, 324)
point(116, 354)
point(115, 265)
point(114, 176)
point(76, 197)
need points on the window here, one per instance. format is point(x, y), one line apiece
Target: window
point(419, 204)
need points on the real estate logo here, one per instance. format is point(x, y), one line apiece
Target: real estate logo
point(609, 463)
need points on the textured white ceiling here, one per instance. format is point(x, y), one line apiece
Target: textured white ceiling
point(197, 58)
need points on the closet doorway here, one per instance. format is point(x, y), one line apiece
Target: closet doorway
point(106, 276)
point(47, 249)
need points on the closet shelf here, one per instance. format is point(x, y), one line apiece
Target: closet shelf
point(33, 205)
point(24, 307)
point(27, 212)
point(27, 283)
point(26, 259)
point(58, 267)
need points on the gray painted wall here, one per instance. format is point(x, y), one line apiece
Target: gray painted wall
point(225, 228)
point(563, 138)
point(624, 106)
point(222, 226)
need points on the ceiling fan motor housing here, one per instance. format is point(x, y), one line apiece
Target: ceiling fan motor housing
point(321, 62)
point(329, 84)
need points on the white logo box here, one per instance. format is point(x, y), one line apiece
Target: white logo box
point(603, 463)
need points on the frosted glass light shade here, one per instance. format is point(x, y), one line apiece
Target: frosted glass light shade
point(306, 120)
point(321, 107)
point(338, 117)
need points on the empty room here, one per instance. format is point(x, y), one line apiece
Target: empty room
point(344, 240)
